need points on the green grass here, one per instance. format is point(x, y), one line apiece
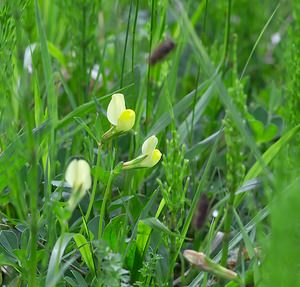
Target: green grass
point(224, 105)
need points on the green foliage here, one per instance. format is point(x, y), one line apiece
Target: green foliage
point(280, 246)
point(235, 150)
point(111, 272)
point(293, 69)
point(148, 271)
point(11, 17)
point(131, 227)
point(175, 186)
point(83, 32)
point(234, 142)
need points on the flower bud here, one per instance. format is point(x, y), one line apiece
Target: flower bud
point(78, 176)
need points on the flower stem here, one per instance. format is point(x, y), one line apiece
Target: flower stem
point(227, 225)
point(103, 206)
point(93, 195)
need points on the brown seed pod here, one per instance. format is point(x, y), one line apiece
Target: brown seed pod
point(201, 212)
point(161, 51)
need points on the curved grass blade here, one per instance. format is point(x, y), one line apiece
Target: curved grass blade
point(194, 117)
point(258, 39)
point(53, 273)
point(271, 152)
point(85, 250)
point(179, 108)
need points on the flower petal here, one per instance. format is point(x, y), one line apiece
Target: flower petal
point(78, 174)
point(152, 159)
point(84, 174)
point(115, 108)
point(71, 173)
point(126, 121)
point(156, 156)
point(27, 64)
point(149, 145)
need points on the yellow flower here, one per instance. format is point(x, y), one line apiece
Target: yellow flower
point(78, 176)
point(150, 155)
point(123, 119)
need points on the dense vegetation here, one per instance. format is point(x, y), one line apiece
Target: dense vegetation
point(195, 182)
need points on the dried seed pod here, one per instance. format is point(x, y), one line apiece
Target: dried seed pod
point(201, 212)
point(161, 51)
point(203, 262)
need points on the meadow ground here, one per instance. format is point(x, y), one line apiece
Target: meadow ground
point(149, 143)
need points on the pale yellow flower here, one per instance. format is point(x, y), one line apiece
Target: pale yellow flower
point(121, 118)
point(150, 155)
point(78, 176)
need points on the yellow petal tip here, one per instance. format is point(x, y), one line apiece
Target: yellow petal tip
point(126, 121)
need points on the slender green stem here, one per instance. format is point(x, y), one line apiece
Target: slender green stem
point(83, 59)
point(53, 117)
point(227, 225)
point(33, 188)
point(227, 35)
point(125, 45)
point(103, 206)
point(95, 183)
point(64, 226)
point(133, 35)
point(194, 105)
point(149, 96)
point(33, 227)
point(258, 40)
point(205, 16)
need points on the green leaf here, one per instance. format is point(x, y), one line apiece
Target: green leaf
point(53, 274)
point(131, 253)
point(85, 250)
point(80, 280)
point(270, 132)
point(263, 133)
point(56, 53)
point(71, 281)
point(261, 115)
point(93, 226)
point(136, 249)
point(156, 224)
point(9, 241)
point(257, 128)
point(121, 201)
point(102, 173)
point(143, 235)
point(232, 284)
point(113, 232)
point(4, 260)
point(270, 153)
point(16, 282)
